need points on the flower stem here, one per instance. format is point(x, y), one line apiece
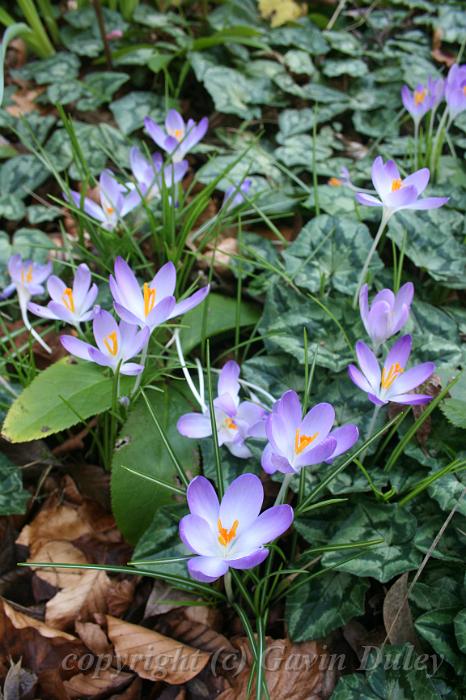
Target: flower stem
point(385, 217)
point(142, 361)
point(283, 489)
point(197, 395)
point(416, 144)
point(228, 586)
point(23, 298)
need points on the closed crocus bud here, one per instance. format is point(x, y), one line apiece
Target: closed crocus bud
point(387, 314)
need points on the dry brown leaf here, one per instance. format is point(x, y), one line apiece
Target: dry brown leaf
point(154, 656)
point(86, 597)
point(97, 685)
point(132, 692)
point(24, 102)
point(62, 552)
point(397, 614)
point(292, 671)
point(20, 621)
point(195, 634)
point(120, 594)
point(93, 637)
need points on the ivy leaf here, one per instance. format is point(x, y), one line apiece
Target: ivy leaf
point(460, 629)
point(129, 111)
point(99, 88)
point(59, 68)
point(436, 627)
point(13, 498)
point(12, 207)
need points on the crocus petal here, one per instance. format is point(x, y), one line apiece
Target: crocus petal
point(288, 408)
point(76, 347)
point(56, 288)
point(194, 425)
point(41, 311)
point(60, 312)
point(228, 379)
point(250, 560)
point(391, 172)
point(164, 281)
point(279, 436)
point(156, 133)
point(132, 340)
point(376, 400)
point(8, 291)
point(126, 315)
point(89, 206)
point(253, 416)
point(104, 325)
point(227, 404)
point(359, 379)
point(130, 201)
point(427, 203)
point(401, 198)
point(101, 358)
point(242, 501)
point(379, 178)
point(364, 304)
point(174, 122)
point(202, 500)
point(412, 378)
point(272, 523)
point(412, 399)
point(197, 534)
point(207, 569)
point(110, 191)
point(161, 312)
point(318, 420)
point(131, 368)
point(138, 164)
point(130, 291)
point(346, 436)
point(368, 200)
point(419, 179)
point(317, 454)
point(405, 296)
point(238, 448)
point(267, 463)
point(399, 353)
point(379, 322)
point(191, 302)
point(368, 364)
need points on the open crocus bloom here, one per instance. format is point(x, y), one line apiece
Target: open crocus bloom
point(418, 102)
point(72, 305)
point(235, 195)
point(154, 303)
point(455, 90)
point(296, 442)
point(179, 137)
point(235, 420)
point(150, 175)
point(115, 344)
point(115, 199)
point(392, 383)
point(230, 533)
point(436, 88)
point(396, 193)
point(388, 312)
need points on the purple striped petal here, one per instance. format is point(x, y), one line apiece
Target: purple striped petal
point(197, 535)
point(412, 399)
point(228, 379)
point(156, 133)
point(207, 569)
point(289, 410)
point(129, 289)
point(202, 500)
point(320, 420)
point(250, 560)
point(346, 436)
point(379, 178)
point(412, 378)
point(428, 203)
point(380, 322)
point(191, 302)
point(359, 379)
point(76, 347)
point(419, 180)
point(368, 364)
point(318, 454)
point(272, 523)
point(368, 200)
point(242, 501)
point(194, 425)
point(164, 281)
point(398, 353)
point(400, 198)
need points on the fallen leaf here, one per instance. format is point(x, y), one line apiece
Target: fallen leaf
point(97, 685)
point(93, 637)
point(397, 616)
point(196, 634)
point(19, 682)
point(62, 552)
point(24, 102)
point(132, 692)
point(281, 11)
point(120, 594)
point(86, 597)
point(154, 656)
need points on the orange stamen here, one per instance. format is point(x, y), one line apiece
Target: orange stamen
point(396, 185)
point(302, 441)
point(230, 423)
point(389, 377)
point(419, 97)
point(178, 134)
point(334, 182)
point(149, 298)
point(225, 536)
point(26, 276)
point(68, 299)
point(109, 210)
point(111, 343)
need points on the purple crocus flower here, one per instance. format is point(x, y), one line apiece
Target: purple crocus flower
point(388, 312)
point(236, 421)
point(150, 175)
point(155, 303)
point(418, 102)
point(179, 137)
point(230, 533)
point(455, 90)
point(235, 195)
point(26, 279)
point(393, 382)
point(296, 442)
point(396, 193)
point(116, 201)
point(436, 87)
point(115, 344)
point(72, 305)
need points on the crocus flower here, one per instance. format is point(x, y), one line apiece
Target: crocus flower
point(394, 382)
point(72, 305)
point(179, 137)
point(154, 303)
point(436, 88)
point(150, 175)
point(230, 533)
point(26, 279)
point(115, 199)
point(235, 195)
point(115, 344)
point(235, 420)
point(396, 193)
point(418, 102)
point(455, 90)
point(387, 314)
point(296, 442)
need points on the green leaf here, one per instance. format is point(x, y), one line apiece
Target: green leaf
point(368, 521)
point(64, 92)
point(99, 88)
point(436, 627)
point(12, 207)
point(161, 540)
point(355, 67)
point(325, 603)
point(231, 91)
point(298, 61)
point(129, 111)
point(60, 68)
point(22, 175)
point(460, 629)
point(220, 316)
point(159, 61)
point(38, 213)
point(13, 498)
point(135, 500)
point(58, 398)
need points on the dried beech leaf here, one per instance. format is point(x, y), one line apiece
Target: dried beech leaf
point(397, 614)
point(61, 552)
point(153, 656)
point(86, 597)
point(197, 635)
point(93, 685)
point(93, 637)
point(120, 594)
point(20, 621)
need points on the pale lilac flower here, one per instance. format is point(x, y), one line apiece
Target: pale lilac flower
point(394, 382)
point(296, 442)
point(72, 305)
point(154, 303)
point(418, 102)
point(436, 88)
point(27, 279)
point(235, 195)
point(455, 90)
point(151, 175)
point(115, 344)
point(115, 199)
point(178, 137)
point(231, 533)
point(387, 314)
point(396, 193)
point(235, 420)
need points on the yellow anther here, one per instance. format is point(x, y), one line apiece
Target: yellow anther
point(111, 343)
point(419, 96)
point(149, 298)
point(334, 182)
point(109, 210)
point(68, 299)
point(396, 185)
point(230, 423)
point(26, 276)
point(389, 377)
point(178, 133)
point(225, 536)
point(302, 441)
